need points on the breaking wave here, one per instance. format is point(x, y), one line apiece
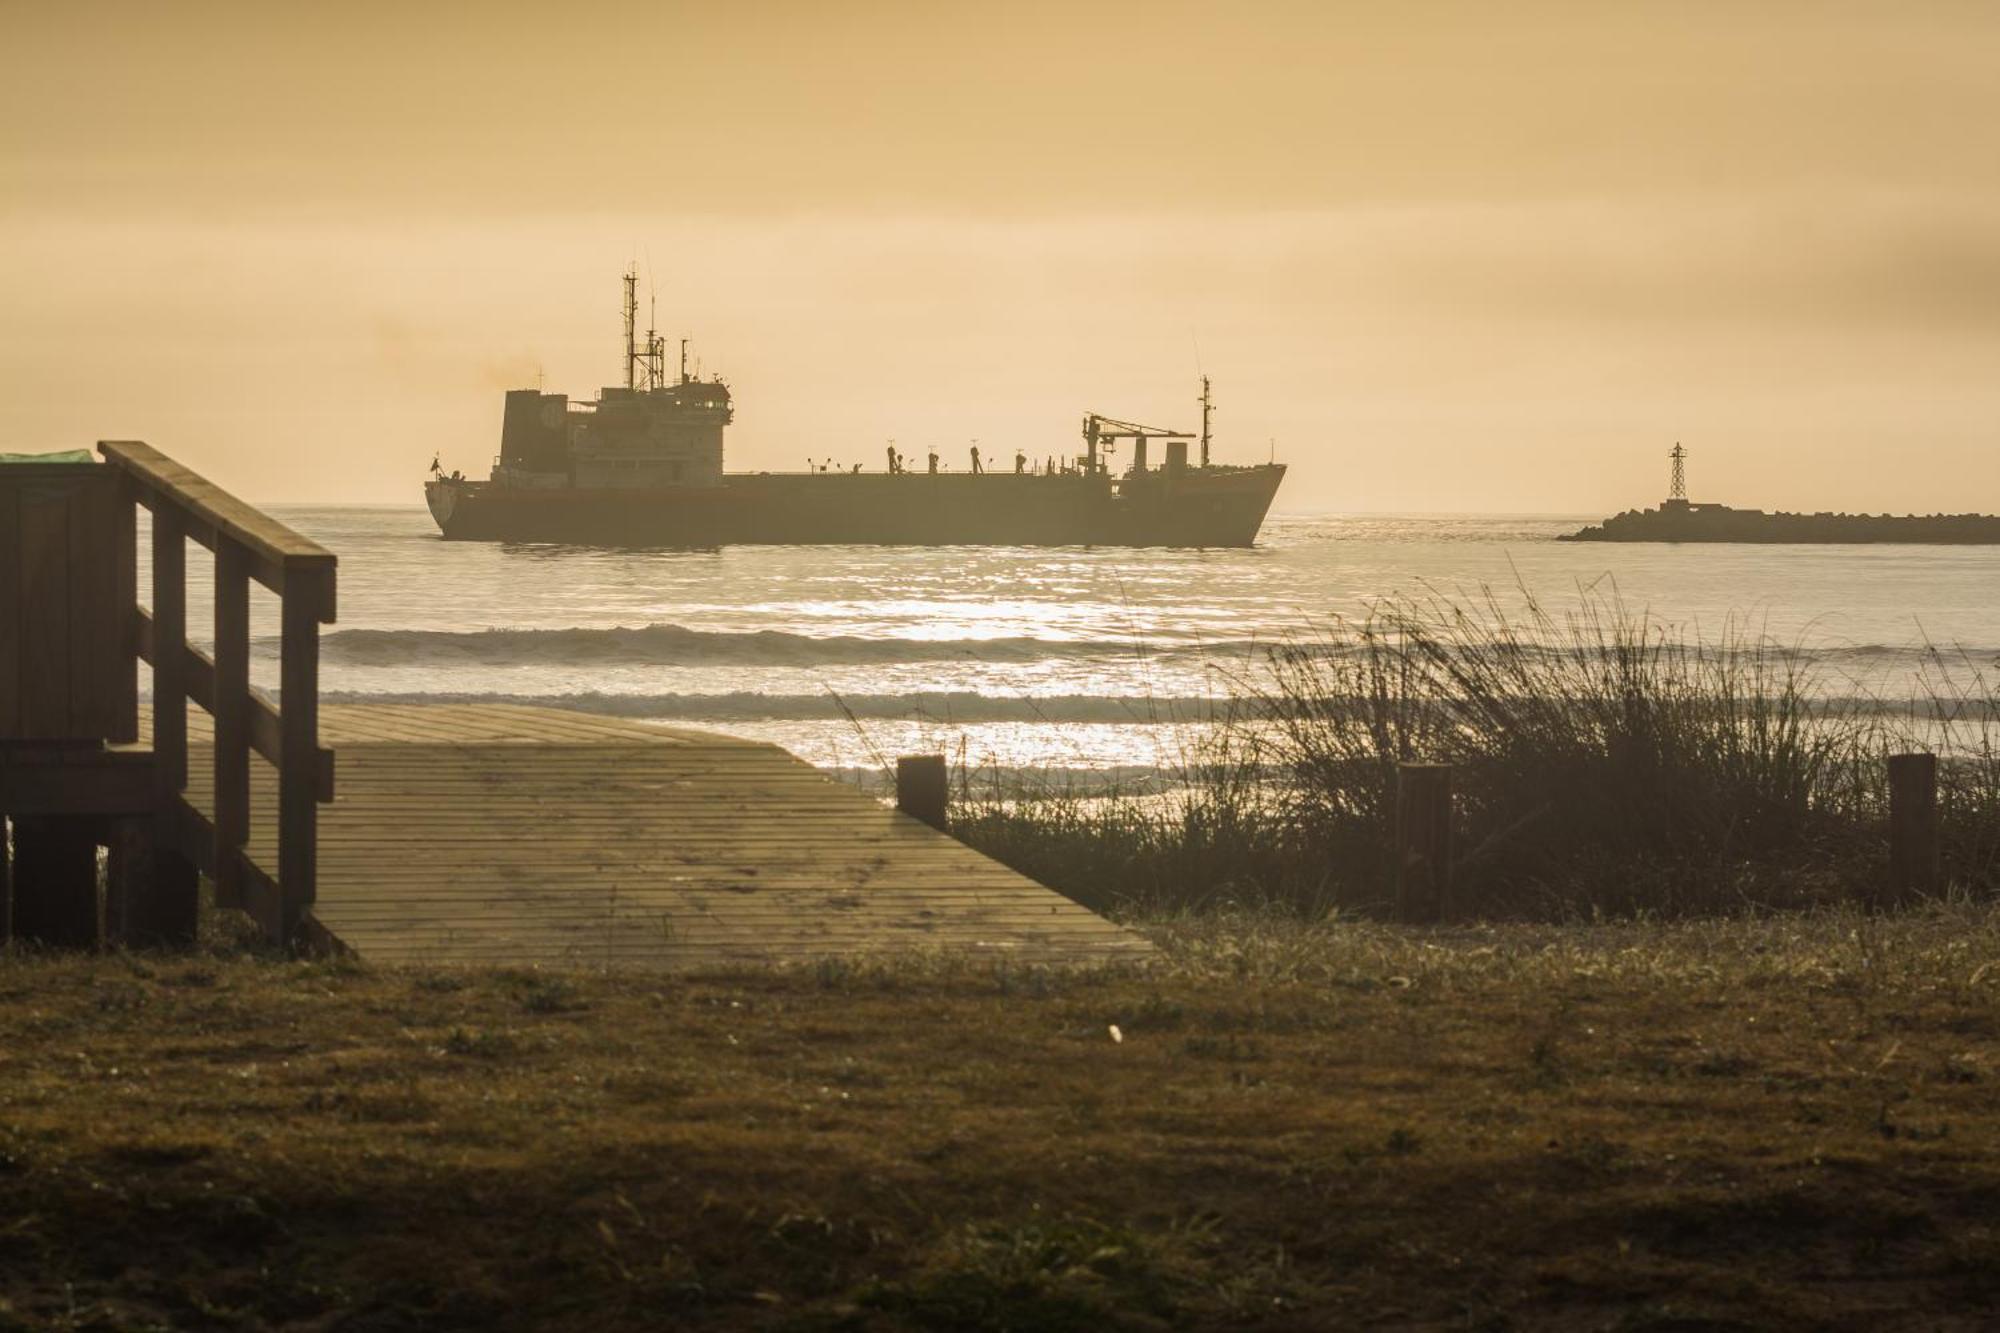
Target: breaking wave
point(955, 706)
point(968, 706)
point(677, 645)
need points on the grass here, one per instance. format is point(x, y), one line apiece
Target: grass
point(1759, 1122)
point(1604, 764)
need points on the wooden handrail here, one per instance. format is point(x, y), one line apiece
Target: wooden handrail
point(247, 545)
point(207, 512)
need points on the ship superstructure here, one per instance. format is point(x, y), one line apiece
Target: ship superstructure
point(649, 432)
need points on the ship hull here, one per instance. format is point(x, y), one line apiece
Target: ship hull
point(1200, 507)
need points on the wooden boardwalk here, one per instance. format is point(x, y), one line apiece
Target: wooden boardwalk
point(525, 836)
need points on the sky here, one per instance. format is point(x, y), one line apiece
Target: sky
point(1437, 257)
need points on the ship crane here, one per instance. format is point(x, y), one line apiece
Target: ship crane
point(1102, 430)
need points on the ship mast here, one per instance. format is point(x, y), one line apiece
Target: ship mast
point(1678, 484)
point(632, 328)
point(1207, 406)
point(645, 364)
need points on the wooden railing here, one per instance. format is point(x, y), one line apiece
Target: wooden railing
point(247, 545)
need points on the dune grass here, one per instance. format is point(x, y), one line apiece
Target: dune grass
point(1775, 1123)
point(1604, 764)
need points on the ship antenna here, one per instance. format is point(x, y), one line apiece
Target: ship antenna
point(631, 325)
point(1207, 406)
point(656, 348)
point(655, 351)
point(684, 361)
point(1677, 488)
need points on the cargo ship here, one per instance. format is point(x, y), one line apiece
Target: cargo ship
point(1679, 519)
point(642, 465)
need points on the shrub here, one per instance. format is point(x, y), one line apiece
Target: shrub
point(1604, 763)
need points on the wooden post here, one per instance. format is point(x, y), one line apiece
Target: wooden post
point(231, 707)
point(169, 655)
point(1423, 842)
point(126, 877)
point(122, 703)
point(55, 880)
point(305, 601)
point(153, 892)
point(160, 890)
point(922, 787)
point(1913, 828)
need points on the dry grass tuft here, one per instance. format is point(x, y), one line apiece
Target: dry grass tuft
point(1605, 765)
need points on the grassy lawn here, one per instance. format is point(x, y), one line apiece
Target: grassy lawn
point(1786, 1122)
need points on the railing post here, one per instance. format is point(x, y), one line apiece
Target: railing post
point(922, 788)
point(1913, 828)
point(162, 890)
point(169, 654)
point(125, 581)
point(305, 600)
point(1423, 842)
point(232, 719)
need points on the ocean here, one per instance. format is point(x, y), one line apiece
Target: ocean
point(1080, 659)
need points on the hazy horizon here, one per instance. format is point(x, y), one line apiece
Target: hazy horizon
point(1442, 261)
